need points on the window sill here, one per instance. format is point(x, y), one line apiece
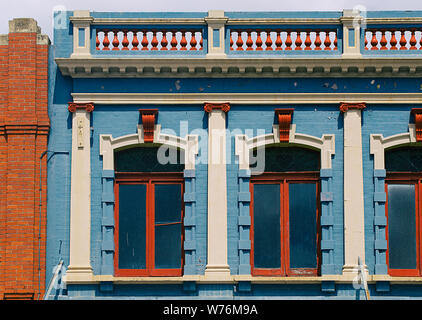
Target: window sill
point(239, 278)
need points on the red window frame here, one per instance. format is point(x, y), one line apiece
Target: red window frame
point(284, 179)
point(150, 179)
point(407, 178)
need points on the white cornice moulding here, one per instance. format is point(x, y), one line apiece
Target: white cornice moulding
point(246, 66)
point(246, 98)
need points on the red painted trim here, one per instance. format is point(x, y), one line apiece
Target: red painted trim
point(417, 113)
point(208, 107)
point(344, 106)
point(148, 123)
point(284, 179)
point(150, 179)
point(89, 107)
point(406, 178)
point(284, 117)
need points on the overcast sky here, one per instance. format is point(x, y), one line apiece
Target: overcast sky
point(42, 10)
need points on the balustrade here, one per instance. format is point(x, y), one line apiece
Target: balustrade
point(149, 40)
point(393, 39)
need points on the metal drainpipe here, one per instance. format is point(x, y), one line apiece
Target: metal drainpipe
point(39, 227)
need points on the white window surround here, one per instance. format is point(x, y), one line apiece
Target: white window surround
point(379, 143)
point(108, 144)
point(326, 145)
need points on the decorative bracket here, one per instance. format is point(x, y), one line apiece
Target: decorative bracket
point(209, 107)
point(89, 107)
point(417, 113)
point(148, 123)
point(284, 117)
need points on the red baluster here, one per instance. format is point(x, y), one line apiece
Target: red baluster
point(231, 40)
point(183, 42)
point(278, 41)
point(249, 42)
point(193, 41)
point(318, 41)
point(144, 41)
point(308, 41)
point(335, 41)
point(115, 41)
point(164, 41)
point(374, 41)
point(97, 43)
point(201, 43)
point(269, 41)
point(289, 41)
point(258, 41)
point(383, 41)
point(366, 41)
point(412, 40)
point(403, 40)
point(298, 42)
point(154, 41)
point(239, 42)
point(135, 41)
point(106, 41)
point(173, 40)
point(393, 40)
point(327, 41)
point(125, 41)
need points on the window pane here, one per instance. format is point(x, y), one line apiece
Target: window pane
point(302, 225)
point(168, 201)
point(401, 226)
point(145, 159)
point(285, 159)
point(266, 225)
point(168, 249)
point(132, 226)
point(405, 159)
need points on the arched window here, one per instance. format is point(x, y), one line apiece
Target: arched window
point(149, 212)
point(285, 212)
point(403, 210)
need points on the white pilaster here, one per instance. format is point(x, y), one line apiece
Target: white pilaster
point(81, 21)
point(80, 198)
point(351, 20)
point(216, 27)
point(354, 228)
point(217, 266)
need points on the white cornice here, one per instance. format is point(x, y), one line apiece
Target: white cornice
point(148, 21)
point(147, 66)
point(246, 98)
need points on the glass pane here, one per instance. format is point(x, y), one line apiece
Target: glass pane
point(302, 225)
point(401, 226)
point(145, 159)
point(168, 201)
point(285, 159)
point(266, 225)
point(406, 159)
point(132, 226)
point(168, 248)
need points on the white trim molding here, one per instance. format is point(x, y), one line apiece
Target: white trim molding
point(378, 144)
point(108, 144)
point(245, 98)
point(326, 145)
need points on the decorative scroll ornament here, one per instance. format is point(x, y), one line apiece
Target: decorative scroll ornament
point(284, 117)
point(89, 107)
point(344, 106)
point(225, 107)
point(148, 123)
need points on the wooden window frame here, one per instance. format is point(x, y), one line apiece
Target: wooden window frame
point(285, 179)
point(150, 179)
point(407, 178)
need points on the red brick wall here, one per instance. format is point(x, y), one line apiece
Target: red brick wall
point(24, 128)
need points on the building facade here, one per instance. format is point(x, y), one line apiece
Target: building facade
point(235, 155)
